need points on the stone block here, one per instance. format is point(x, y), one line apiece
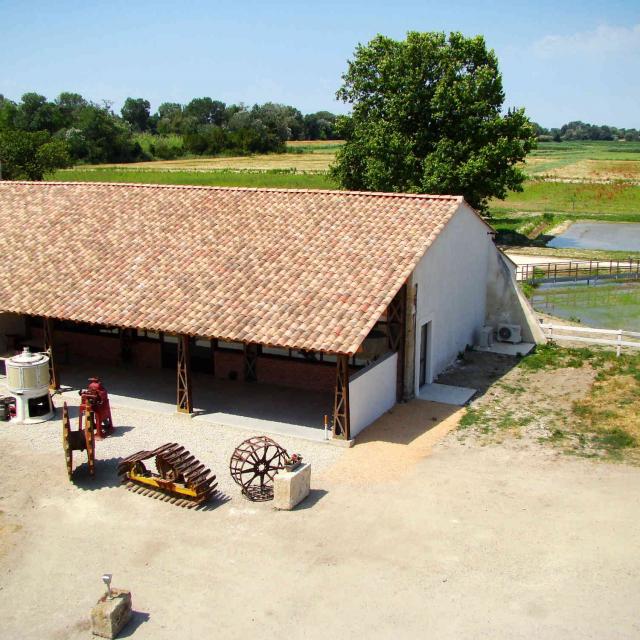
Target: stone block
point(109, 616)
point(291, 487)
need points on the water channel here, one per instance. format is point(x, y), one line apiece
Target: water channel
point(602, 305)
point(610, 236)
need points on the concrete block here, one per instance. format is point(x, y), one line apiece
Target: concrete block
point(340, 442)
point(110, 615)
point(291, 487)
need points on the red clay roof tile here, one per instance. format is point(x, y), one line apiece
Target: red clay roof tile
point(290, 268)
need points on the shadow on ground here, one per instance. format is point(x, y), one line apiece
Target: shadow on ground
point(407, 422)
point(212, 396)
point(315, 495)
point(138, 618)
point(105, 477)
point(478, 370)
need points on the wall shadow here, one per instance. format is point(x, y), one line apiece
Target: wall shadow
point(478, 370)
point(407, 422)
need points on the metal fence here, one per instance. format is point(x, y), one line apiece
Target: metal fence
point(580, 270)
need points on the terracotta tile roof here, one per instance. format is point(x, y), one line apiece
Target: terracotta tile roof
point(302, 269)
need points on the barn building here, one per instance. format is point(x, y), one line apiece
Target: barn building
point(362, 297)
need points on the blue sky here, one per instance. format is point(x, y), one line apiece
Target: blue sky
point(562, 60)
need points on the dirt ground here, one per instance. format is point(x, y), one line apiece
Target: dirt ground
point(414, 532)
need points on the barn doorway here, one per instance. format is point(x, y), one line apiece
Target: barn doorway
point(425, 340)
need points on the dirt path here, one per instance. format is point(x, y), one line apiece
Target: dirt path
point(465, 541)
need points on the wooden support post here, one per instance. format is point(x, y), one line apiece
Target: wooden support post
point(409, 377)
point(185, 399)
point(341, 412)
point(214, 346)
point(250, 362)
point(54, 379)
point(396, 328)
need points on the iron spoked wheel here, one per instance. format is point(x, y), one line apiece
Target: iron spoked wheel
point(254, 465)
point(90, 443)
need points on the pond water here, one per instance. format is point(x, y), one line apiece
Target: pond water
point(622, 236)
point(607, 306)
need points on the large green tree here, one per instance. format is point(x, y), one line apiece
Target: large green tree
point(26, 155)
point(427, 118)
point(137, 112)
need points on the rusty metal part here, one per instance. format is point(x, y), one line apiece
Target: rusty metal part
point(96, 398)
point(178, 478)
point(81, 440)
point(254, 464)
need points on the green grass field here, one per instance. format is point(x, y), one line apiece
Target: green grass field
point(604, 200)
point(277, 179)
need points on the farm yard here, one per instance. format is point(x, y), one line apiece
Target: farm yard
point(499, 480)
point(320, 328)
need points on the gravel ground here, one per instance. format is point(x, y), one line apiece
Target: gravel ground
point(143, 430)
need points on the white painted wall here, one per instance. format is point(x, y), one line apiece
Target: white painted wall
point(372, 392)
point(452, 290)
point(506, 303)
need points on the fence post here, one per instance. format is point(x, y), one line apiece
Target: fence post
point(618, 347)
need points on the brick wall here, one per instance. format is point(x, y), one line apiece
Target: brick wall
point(298, 374)
point(228, 361)
point(146, 354)
point(270, 370)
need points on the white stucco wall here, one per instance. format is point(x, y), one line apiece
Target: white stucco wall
point(452, 290)
point(372, 392)
point(505, 301)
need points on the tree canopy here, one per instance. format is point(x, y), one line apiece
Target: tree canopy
point(84, 131)
point(427, 118)
point(27, 155)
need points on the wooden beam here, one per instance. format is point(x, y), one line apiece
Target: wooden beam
point(396, 328)
point(214, 346)
point(54, 379)
point(185, 399)
point(250, 362)
point(341, 413)
point(410, 341)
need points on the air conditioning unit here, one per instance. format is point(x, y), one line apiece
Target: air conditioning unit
point(510, 333)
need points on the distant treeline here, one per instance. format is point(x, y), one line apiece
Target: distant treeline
point(578, 130)
point(38, 135)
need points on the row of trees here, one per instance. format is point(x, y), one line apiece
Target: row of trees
point(578, 130)
point(38, 135)
point(172, 117)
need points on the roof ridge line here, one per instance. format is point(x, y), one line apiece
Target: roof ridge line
point(385, 194)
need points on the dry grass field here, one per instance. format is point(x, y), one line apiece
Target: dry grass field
point(308, 162)
point(596, 170)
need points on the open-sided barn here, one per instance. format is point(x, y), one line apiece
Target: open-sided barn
point(363, 296)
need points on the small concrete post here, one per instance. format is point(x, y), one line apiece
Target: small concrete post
point(291, 487)
point(112, 611)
